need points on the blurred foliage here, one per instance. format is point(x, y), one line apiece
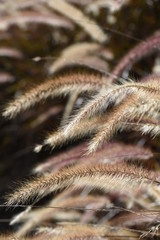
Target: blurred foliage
point(133, 23)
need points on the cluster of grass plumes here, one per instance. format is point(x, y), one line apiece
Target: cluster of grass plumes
point(104, 181)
